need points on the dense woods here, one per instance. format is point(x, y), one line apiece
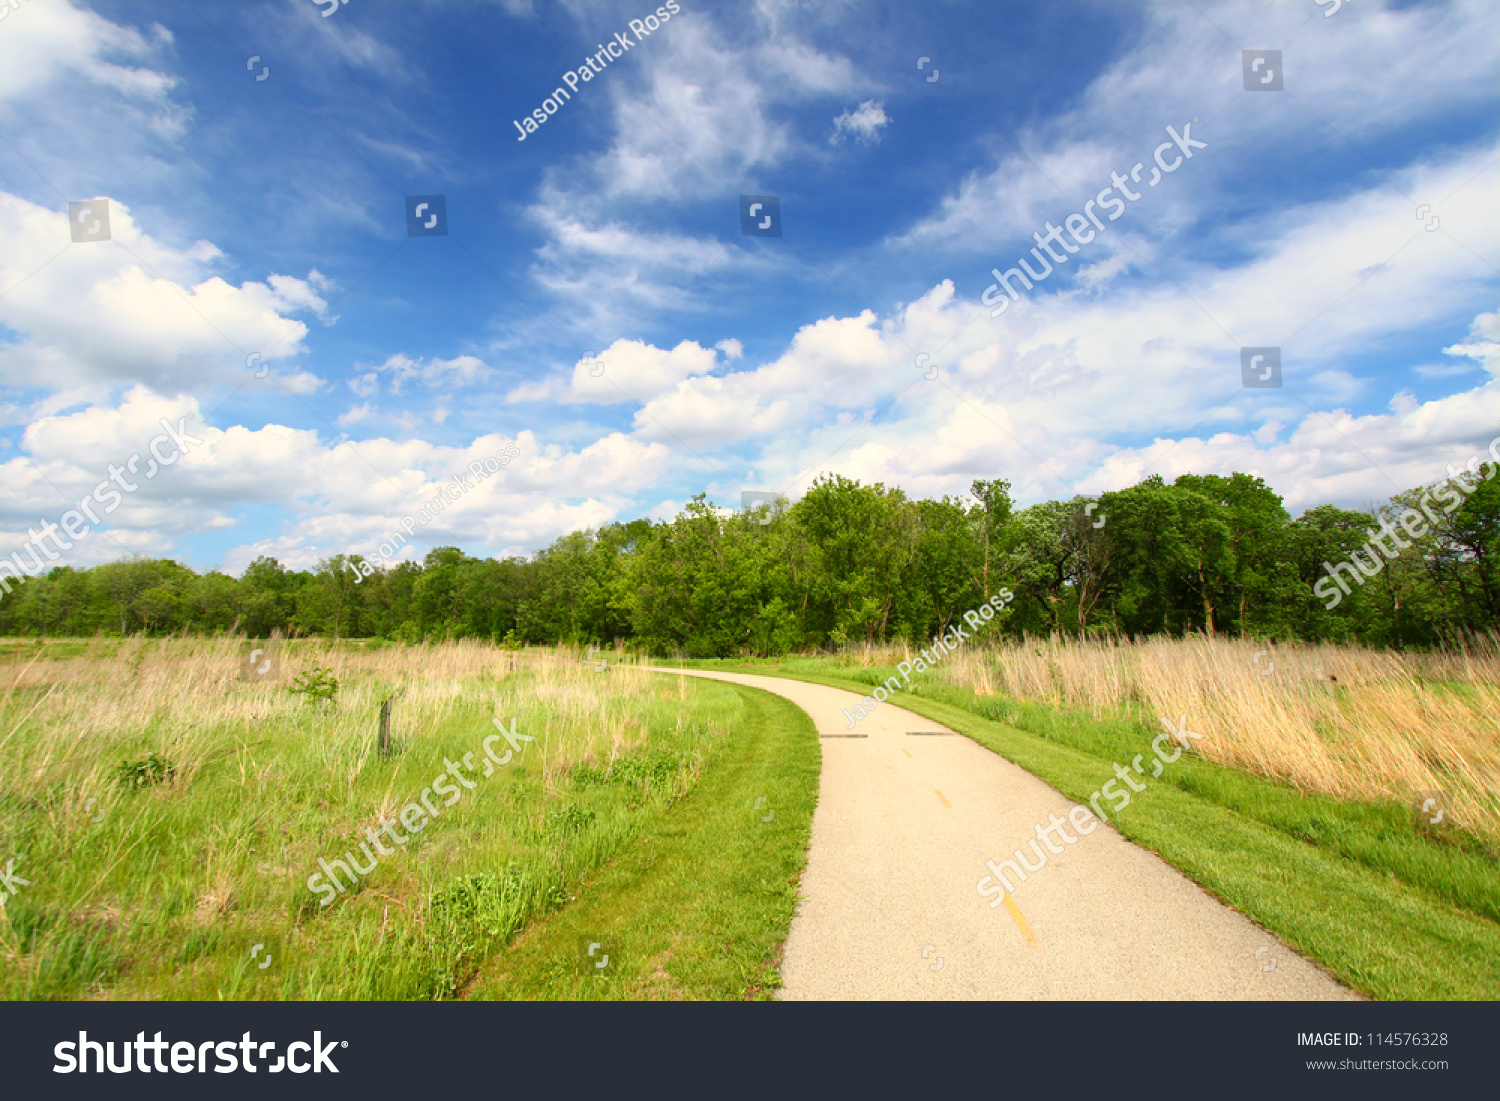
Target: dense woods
point(848, 563)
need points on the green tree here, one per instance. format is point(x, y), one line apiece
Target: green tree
point(863, 537)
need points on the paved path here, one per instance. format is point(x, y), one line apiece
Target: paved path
point(890, 906)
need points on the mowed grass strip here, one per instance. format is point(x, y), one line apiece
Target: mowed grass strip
point(1391, 910)
point(699, 906)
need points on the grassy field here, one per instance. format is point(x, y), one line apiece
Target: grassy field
point(172, 810)
point(698, 907)
point(1392, 904)
point(169, 814)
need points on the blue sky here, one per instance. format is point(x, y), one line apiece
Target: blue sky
point(595, 303)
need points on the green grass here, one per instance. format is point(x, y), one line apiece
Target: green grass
point(699, 906)
point(1393, 908)
point(161, 851)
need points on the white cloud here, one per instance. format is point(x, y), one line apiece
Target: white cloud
point(302, 383)
point(705, 108)
point(702, 106)
point(626, 371)
point(1043, 394)
point(357, 415)
point(713, 413)
point(1484, 343)
point(609, 274)
point(46, 42)
point(342, 496)
point(834, 363)
point(366, 385)
point(82, 100)
point(863, 123)
point(460, 371)
point(130, 309)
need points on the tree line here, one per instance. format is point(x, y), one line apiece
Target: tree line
point(847, 563)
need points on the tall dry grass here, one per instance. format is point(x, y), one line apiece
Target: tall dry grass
point(189, 699)
point(1341, 721)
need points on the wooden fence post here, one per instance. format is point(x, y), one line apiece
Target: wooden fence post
point(385, 727)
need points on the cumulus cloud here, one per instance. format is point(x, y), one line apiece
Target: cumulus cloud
point(863, 123)
point(343, 497)
point(1052, 394)
point(131, 309)
point(626, 371)
point(1484, 343)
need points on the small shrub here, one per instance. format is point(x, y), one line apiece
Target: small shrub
point(494, 903)
point(149, 771)
point(315, 683)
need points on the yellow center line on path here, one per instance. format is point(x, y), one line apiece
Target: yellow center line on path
point(944, 798)
point(1015, 914)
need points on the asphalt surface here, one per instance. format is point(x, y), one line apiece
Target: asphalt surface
point(891, 906)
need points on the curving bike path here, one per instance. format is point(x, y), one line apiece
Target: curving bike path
point(890, 903)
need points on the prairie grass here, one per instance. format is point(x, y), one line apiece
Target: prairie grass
point(1353, 724)
point(168, 809)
